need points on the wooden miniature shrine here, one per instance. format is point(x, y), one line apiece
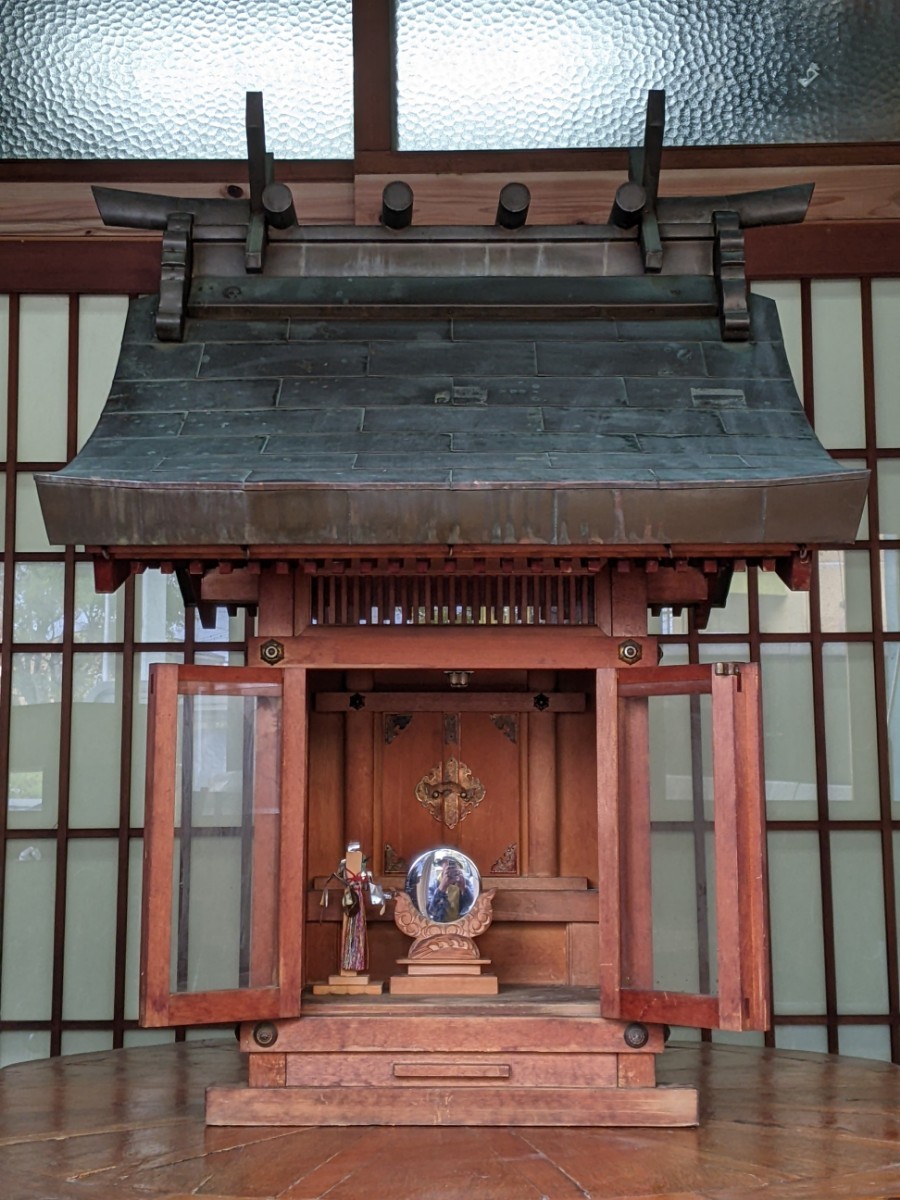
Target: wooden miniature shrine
point(453, 473)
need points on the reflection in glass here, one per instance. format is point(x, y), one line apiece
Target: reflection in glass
point(142, 664)
point(474, 74)
point(443, 884)
point(98, 618)
point(156, 79)
point(43, 373)
point(38, 611)
point(158, 608)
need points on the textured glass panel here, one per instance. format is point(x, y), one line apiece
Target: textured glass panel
point(795, 903)
point(859, 937)
point(101, 320)
point(802, 1037)
point(4, 367)
point(96, 723)
point(43, 377)
point(780, 609)
point(481, 75)
point(845, 592)
point(98, 618)
point(892, 693)
point(34, 740)
point(789, 744)
point(850, 745)
point(886, 346)
point(863, 532)
point(157, 79)
point(667, 622)
point(148, 1037)
point(748, 1038)
point(865, 1041)
point(158, 608)
point(23, 1046)
point(890, 590)
point(139, 729)
point(38, 612)
point(28, 931)
point(90, 957)
point(837, 362)
point(889, 498)
point(786, 294)
point(31, 534)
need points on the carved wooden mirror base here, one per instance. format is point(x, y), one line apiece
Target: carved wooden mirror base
point(443, 910)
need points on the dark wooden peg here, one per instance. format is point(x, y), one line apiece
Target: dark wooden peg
point(512, 207)
point(628, 205)
point(278, 205)
point(397, 205)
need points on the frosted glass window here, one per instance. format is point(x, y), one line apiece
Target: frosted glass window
point(886, 347)
point(98, 616)
point(23, 1045)
point(802, 1037)
point(788, 737)
point(227, 629)
point(780, 609)
point(892, 691)
point(859, 935)
point(158, 608)
point(25, 985)
point(850, 742)
point(156, 79)
point(90, 955)
point(34, 741)
point(786, 294)
point(4, 367)
point(38, 612)
point(889, 498)
point(86, 1041)
point(795, 905)
point(838, 363)
point(474, 74)
point(142, 664)
point(31, 535)
point(148, 1037)
point(845, 591)
point(96, 722)
point(43, 376)
point(101, 320)
point(865, 1041)
point(863, 532)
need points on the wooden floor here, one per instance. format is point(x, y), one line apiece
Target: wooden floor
point(128, 1124)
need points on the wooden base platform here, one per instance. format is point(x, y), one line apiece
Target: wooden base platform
point(129, 1125)
point(524, 1056)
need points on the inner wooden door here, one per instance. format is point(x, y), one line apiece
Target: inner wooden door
point(452, 778)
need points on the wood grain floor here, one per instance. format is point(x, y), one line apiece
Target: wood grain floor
point(127, 1124)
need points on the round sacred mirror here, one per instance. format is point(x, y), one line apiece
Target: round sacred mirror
point(443, 884)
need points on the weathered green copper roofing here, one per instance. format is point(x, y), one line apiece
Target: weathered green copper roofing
point(374, 430)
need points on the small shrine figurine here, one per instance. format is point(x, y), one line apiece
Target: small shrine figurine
point(358, 884)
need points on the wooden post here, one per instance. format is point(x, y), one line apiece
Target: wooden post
point(359, 769)
point(543, 827)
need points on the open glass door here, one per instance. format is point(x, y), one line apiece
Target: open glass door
point(222, 915)
point(683, 923)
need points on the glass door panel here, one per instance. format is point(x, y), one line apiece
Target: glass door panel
point(223, 891)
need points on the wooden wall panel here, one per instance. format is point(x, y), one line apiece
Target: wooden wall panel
point(326, 794)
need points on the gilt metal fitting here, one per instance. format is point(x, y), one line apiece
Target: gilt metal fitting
point(265, 1033)
point(271, 652)
point(630, 651)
